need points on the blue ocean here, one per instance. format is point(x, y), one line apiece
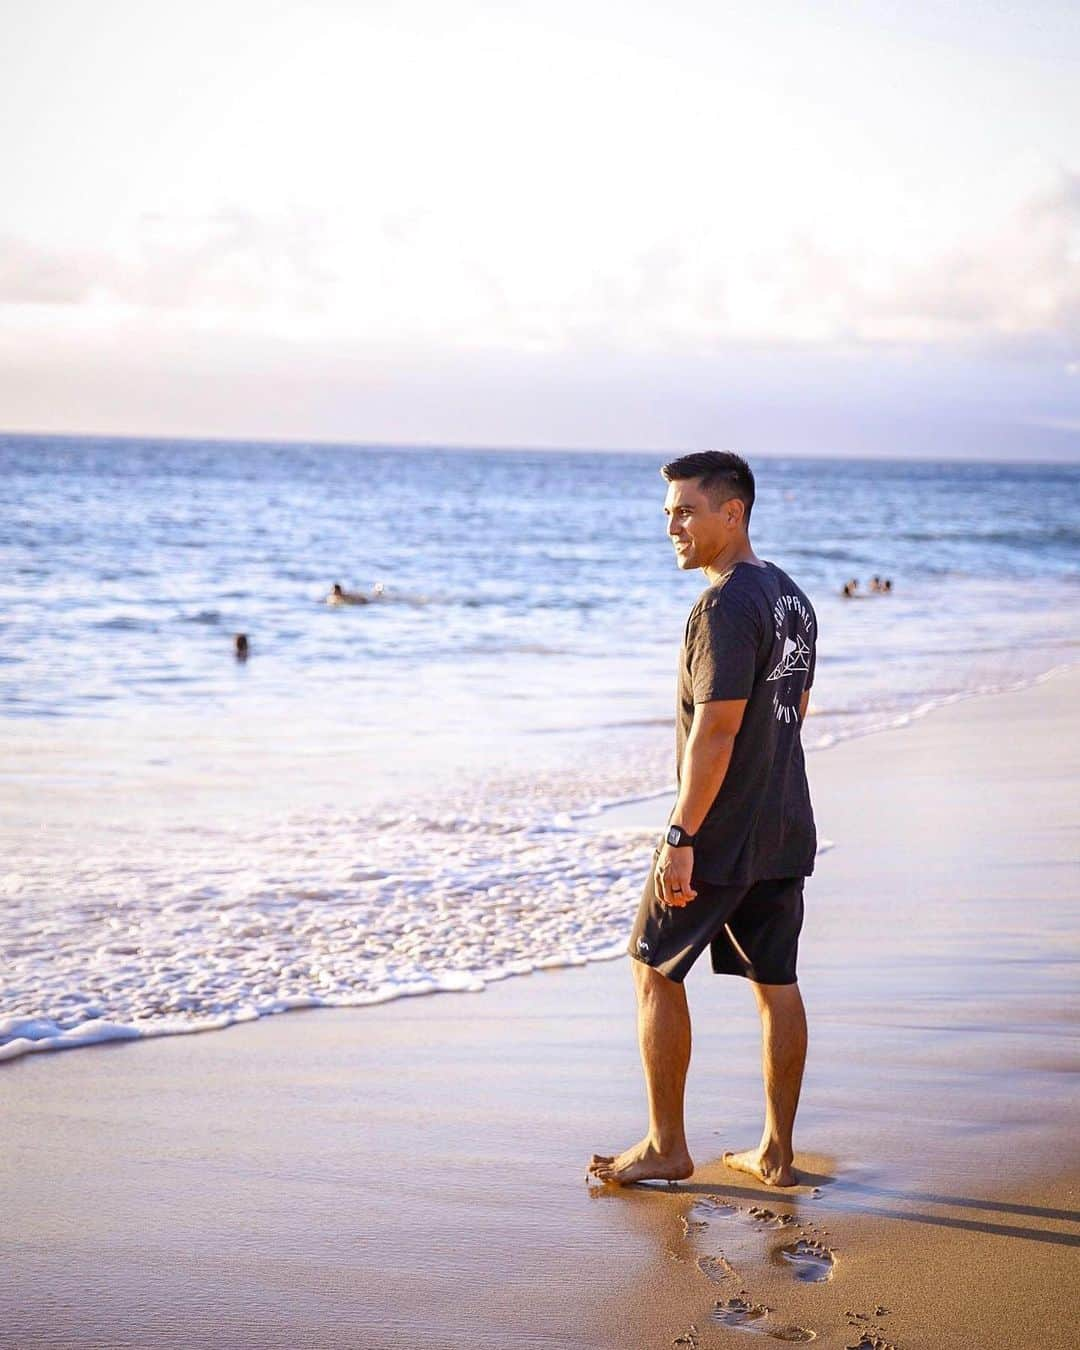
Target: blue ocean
point(384, 798)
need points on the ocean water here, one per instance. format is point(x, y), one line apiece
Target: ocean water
point(389, 798)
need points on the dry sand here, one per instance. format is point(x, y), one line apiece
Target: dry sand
point(413, 1174)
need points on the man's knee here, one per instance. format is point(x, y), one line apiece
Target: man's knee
point(652, 983)
point(777, 998)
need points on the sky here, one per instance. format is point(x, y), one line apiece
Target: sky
point(782, 227)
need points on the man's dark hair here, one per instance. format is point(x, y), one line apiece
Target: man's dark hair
point(723, 476)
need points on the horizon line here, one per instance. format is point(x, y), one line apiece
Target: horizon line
point(500, 448)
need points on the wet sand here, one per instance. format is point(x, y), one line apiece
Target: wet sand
point(413, 1173)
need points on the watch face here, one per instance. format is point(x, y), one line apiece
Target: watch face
point(674, 835)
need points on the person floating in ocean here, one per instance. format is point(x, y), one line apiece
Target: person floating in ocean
point(728, 873)
point(850, 590)
point(339, 596)
point(240, 646)
point(878, 586)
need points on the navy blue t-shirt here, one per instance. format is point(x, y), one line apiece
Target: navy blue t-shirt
point(753, 636)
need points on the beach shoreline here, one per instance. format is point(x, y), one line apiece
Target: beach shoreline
point(413, 1172)
point(635, 816)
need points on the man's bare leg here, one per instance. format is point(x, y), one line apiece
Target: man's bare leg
point(664, 1041)
point(783, 1056)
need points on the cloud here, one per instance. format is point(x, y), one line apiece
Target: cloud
point(1014, 287)
point(35, 276)
point(1019, 281)
point(230, 260)
point(420, 278)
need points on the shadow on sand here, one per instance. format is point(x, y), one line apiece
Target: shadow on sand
point(828, 1194)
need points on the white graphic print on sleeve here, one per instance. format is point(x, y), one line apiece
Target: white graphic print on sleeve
point(793, 626)
point(796, 657)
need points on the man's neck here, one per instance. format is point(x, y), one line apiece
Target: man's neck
point(739, 551)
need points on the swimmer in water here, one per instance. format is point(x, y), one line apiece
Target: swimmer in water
point(339, 596)
point(240, 646)
point(850, 589)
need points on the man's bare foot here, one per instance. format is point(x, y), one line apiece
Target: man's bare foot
point(762, 1166)
point(642, 1163)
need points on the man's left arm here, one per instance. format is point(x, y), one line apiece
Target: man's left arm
point(705, 762)
point(706, 759)
point(722, 640)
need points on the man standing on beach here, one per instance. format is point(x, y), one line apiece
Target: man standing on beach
point(729, 872)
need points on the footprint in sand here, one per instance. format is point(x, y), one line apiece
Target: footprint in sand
point(811, 1259)
point(743, 1315)
point(711, 1207)
point(702, 1212)
point(739, 1312)
point(813, 1262)
point(715, 1268)
point(871, 1337)
point(767, 1218)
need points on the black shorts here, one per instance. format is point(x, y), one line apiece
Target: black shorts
point(753, 929)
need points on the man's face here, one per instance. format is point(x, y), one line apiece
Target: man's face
point(697, 531)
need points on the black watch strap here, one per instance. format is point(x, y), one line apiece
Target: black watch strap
point(677, 837)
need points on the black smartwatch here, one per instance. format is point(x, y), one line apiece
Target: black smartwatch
point(677, 837)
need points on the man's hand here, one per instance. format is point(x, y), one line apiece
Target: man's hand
point(673, 870)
